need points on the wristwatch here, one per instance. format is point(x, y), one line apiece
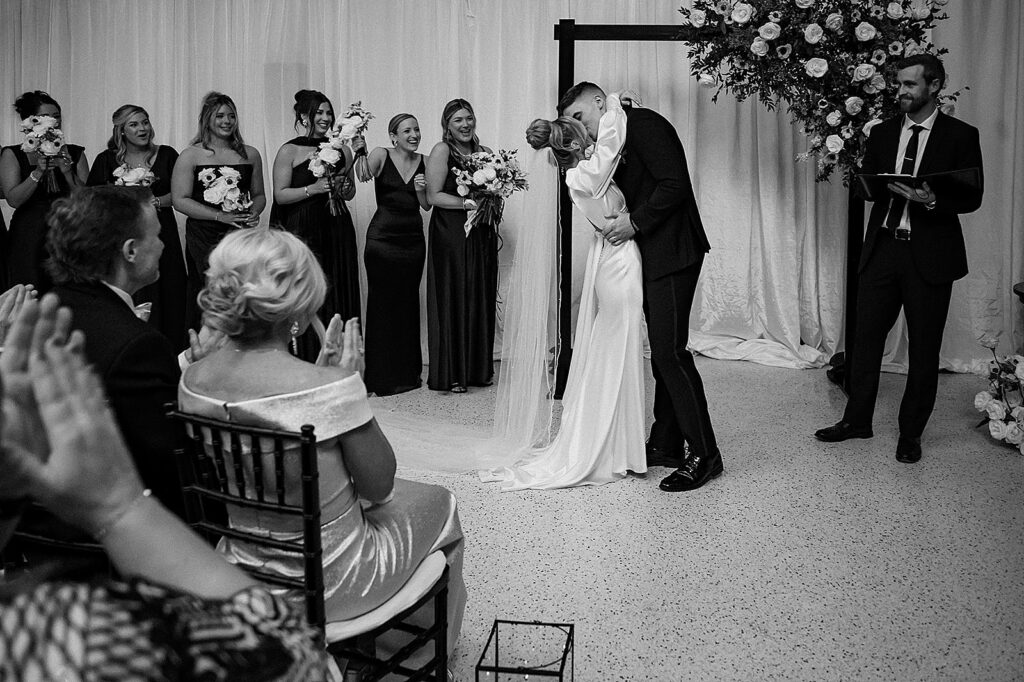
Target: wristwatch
point(930, 206)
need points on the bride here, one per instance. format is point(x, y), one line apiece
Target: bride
point(601, 437)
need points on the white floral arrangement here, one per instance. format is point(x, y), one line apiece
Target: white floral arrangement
point(221, 188)
point(133, 177)
point(355, 121)
point(831, 63)
point(487, 179)
point(44, 136)
point(1003, 402)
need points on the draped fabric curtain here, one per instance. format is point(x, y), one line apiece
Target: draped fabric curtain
point(772, 288)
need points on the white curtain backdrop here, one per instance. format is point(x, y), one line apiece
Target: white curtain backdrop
point(772, 289)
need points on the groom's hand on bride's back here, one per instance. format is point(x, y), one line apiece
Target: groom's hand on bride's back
point(618, 229)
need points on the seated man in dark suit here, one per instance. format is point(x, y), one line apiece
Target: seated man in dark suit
point(104, 245)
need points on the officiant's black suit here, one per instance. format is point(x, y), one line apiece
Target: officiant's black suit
point(916, 275)
point(654, 178)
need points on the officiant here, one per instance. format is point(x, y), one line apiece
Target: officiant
point(913, 251)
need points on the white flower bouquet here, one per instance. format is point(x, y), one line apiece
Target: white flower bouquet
point(133, 177)
point(43, 136)
point(355, 121)
point(324, 161)
point(487, 179)
point(831, 63)
point(1003, 402)
point(221, 188)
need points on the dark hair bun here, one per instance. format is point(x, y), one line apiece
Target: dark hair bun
point(29, 103)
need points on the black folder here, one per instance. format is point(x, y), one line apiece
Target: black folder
point(875, 187)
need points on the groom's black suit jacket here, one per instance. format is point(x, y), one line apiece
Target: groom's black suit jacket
point(653, 176)
point(937, 241)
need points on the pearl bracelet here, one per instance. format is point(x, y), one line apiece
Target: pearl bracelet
point(305, 189)
point(102, 532)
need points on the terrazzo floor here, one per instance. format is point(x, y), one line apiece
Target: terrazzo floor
point(805, 561)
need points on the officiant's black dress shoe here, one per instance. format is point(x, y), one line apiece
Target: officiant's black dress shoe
point(842, 431)
point(908, 450)
point(665, 457)
point(695, 472)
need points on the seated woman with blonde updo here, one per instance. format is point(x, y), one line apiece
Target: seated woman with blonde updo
point(263, 288)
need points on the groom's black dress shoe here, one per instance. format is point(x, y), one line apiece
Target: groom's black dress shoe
point(665, 457)
point(908, 450)
point(842, 431)
point(695, 472)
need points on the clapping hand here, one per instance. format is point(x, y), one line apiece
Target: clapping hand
point(343, 348)
point(11, 302)
point(204, 343)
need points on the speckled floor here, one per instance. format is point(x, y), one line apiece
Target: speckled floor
point(805, 561)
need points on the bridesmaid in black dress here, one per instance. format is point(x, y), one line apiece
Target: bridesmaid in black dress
point(217, 144)
point(462, 271)
point(394, 256)
point(131, 146)
point(301, 207)
point(22, 178)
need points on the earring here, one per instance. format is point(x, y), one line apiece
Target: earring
point(294, 331)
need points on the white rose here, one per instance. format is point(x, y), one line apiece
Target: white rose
point(920, 13)
point(120, 170)
point(462, 190)
point(878, 81)
point(770, 31)
point(834, 118)
point(997, 427)
point(134, 176)
point(803, 4)
point(949, 109)
point(854, 105)
point(229, 173)
point(330, 156)
point(982, 400)
point(215, 194)
point(813, 33)
point(894, 10)
point(816, 67)
point(870, 124)
point(1017, 414)
point(865, 31)
point(697, 17)
point(996, 410)
point(834, 21)
point(49, 148)
point(834, 144)
point(355, 121)
point(742, 12)
point(912, 48)
point(317, 168)
point(490, 173)
point(759, 47)
point(479, 177)
point(1014, 434)
point(863, 72)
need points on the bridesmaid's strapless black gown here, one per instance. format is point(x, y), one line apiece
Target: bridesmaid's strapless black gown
point(332, 239)
point(462, 286)
point(395, 252)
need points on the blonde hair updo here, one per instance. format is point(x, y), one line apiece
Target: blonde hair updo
point(565, 136)
point(259, 281)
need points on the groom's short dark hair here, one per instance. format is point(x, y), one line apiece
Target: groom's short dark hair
point(573, 94)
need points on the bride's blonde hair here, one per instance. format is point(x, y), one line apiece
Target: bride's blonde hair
point(565, 136)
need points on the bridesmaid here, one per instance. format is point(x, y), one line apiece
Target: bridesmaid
point(217, 144)
point(462, 271)
point(23, 184)
point(394, 257)
point(301, 207)
point(131, 146)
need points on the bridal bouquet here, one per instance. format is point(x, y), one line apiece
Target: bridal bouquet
point(133, 177)
point(221, 188)
point(355, 121)
point(1003, 402)
point(488, 178)
point(831, 63)
point(42, 135)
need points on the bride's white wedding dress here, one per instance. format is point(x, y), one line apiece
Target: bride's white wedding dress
point(601, 436)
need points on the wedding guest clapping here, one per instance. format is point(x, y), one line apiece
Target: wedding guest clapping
point(261, 284)
point(33, 175)
point(133, 159)
point(217, 182)
point(462, 270)
point(395, 252)
point(181, 611)
point(301, 206)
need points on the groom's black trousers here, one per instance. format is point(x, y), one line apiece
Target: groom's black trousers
point(680, 407)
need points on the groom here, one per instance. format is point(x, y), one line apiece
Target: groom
point(664, 221)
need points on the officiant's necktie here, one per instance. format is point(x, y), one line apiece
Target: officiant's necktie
point(895, 216)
